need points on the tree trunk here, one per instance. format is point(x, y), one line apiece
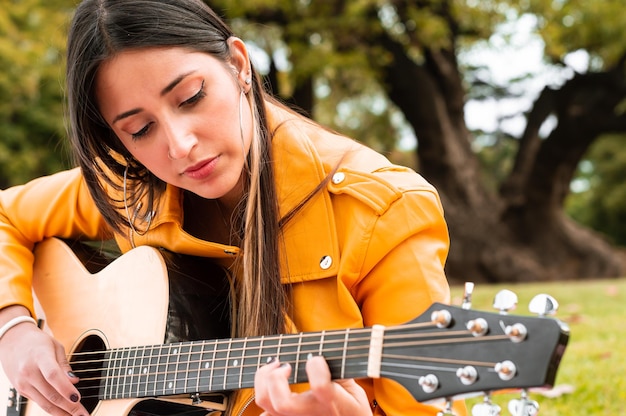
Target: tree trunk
point(521, 234)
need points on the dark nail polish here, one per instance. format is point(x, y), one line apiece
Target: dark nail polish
point(71, 374)
point(74, 398)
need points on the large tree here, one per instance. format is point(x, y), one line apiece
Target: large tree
point(408, 53)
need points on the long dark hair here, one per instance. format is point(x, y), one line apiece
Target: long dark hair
point(103, 28)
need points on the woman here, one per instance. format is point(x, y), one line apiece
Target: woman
point(179, 147)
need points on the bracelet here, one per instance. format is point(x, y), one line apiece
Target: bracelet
point(15, 321)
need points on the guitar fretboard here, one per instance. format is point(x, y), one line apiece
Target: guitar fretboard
point(220, 365)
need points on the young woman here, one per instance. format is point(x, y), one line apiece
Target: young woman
point(179, 147)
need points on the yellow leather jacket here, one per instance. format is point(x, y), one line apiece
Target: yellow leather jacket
point(369, 249)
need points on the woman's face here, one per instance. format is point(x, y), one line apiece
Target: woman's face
point(178, 113)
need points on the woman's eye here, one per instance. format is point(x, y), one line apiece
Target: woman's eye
point(141, 133)
point(197, 97)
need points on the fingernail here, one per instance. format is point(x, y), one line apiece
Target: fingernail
point(270, 360)
point(71, 374)
point(74, 397)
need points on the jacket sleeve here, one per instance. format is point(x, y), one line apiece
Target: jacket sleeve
point(58, 205)
point(398, 267)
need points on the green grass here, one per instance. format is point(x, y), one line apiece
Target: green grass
point(595, 359)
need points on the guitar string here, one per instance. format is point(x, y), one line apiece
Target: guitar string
point(261, 355)
point(232, 357)
point(364, 354)
point(314, 341)
point(289, 337)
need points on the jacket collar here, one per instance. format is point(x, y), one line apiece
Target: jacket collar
point(309, 248)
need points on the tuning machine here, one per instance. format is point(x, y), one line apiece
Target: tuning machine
point(543, 305)
point(447, 411)
point(523, 406)
point(467, 295)
point(486, 408)
point(505, 301)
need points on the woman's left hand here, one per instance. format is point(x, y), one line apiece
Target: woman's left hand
point(325, 397)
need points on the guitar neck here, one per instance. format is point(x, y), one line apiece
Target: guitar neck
point(227, 364)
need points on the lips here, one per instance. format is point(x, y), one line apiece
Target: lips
point(201, 170)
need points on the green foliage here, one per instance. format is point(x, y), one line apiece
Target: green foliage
point(594, 26)
point(32, 45)
point(601, 205)
point(593, 364)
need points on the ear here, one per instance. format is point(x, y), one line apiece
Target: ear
point(240, 61)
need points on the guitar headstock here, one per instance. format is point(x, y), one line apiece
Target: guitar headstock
point(450, 351)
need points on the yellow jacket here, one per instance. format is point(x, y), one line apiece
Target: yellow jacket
point(369, 249)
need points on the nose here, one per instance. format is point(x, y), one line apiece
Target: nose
point(180, 141)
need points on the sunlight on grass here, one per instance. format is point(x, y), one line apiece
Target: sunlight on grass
point(594, 363)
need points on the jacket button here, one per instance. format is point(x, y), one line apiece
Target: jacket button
point(339, 177)
point(326, 262)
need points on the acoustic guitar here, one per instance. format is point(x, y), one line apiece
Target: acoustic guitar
point(112, 324)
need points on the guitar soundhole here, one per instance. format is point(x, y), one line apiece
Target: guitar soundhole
point(87, 364)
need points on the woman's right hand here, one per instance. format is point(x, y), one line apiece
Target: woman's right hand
point(37, 367)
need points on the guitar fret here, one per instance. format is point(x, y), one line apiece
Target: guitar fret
point(109, 376)
point(345, 350)
point(212, 364)
point(142, 372)
point(334, 343)
point(124, 372)
point(132, 371)
point(251, 361)
point(297, 363)
point(280, 342)
point(241, 366)
point(182, 369)
point(193, 368)
point(227, 363)
point(268, 349)
point(309, 345)
point(168, 380)
point(220, 363)
point(287, 349)
point(113, 371)
point(260, 353)
point(153, 371)
point(117, 368)
point(235, 363)
point(159, 381)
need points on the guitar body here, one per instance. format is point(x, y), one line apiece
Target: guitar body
point(125, 305)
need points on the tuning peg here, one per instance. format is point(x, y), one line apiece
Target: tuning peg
point(486, 408)
point(505, 301)
point(523, 406)
point(543, 305)
point(447, 411)
point(467, 295)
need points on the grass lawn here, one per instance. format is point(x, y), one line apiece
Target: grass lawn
point(594, 364)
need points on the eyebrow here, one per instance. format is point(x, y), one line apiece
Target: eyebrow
point(164, 91)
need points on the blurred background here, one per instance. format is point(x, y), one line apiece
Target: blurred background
point(515, 111)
